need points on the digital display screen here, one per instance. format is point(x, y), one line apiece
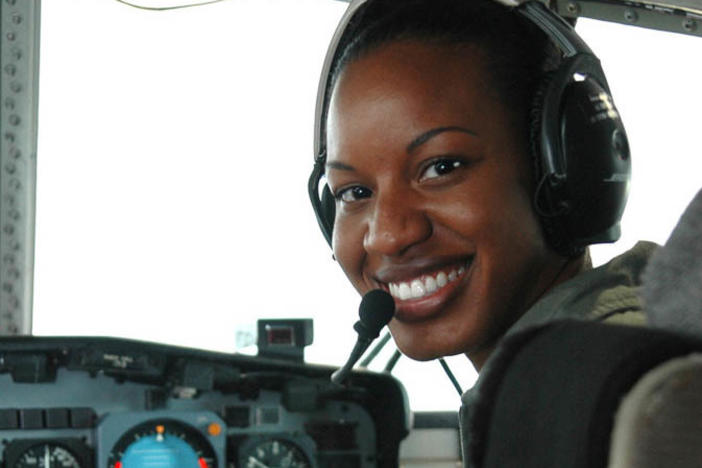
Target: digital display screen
point(280, 335)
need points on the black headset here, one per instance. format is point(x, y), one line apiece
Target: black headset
point(578, 141)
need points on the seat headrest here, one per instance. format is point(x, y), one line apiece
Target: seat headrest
point(672, 282)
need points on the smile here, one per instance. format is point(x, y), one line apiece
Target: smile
point(427, 284)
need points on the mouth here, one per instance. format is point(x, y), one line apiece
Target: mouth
point(422, 295)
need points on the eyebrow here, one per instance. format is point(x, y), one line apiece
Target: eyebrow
point(339, 165)
point(426, 136)
point(414, 144)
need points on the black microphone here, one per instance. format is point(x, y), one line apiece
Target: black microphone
point(376, 309)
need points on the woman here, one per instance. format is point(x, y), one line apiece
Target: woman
point(433, 153)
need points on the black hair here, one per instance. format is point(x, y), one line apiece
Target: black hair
point(519, 58)
point(518, 54)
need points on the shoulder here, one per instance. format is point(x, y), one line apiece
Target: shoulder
point(620, 301)
point(608, 293)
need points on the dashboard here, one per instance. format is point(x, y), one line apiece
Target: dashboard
point(115, 403)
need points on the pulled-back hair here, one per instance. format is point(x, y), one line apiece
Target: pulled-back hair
point(517, 53)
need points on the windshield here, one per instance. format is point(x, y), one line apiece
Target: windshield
point(174, 149)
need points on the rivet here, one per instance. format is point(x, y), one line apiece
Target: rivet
point(9, 136)
point(15, 245)
point(689, 24)
point(9, 103)
point(7, 287)
point(15, 86)
point(573, 8)
point(11, 36)
point(15, 120)
point(10, 2)
point(10, 168)
point(13, 273)
point(16, 53)
point(14, 215)
point(9, 199)
point(15, 184)
point(631, 16)
point(8, 229)
point(15, 152)
point(14, 302)
point(10, 69)
point(17, 19)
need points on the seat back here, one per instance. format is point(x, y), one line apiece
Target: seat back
point(548, 396)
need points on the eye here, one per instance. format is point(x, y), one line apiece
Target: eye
point(352, 194)
point(440, 167)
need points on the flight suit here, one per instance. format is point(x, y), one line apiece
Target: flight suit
point(609, 293)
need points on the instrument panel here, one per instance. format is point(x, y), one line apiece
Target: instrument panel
point(105, 402)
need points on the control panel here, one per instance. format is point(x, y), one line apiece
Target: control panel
point(105, 402)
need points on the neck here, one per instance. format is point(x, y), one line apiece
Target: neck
point(570, 268)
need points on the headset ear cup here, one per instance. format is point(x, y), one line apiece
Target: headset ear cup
point(595, 146)
point(549, 206)
point(328, 212)
point(536, 113)
point(584, 204)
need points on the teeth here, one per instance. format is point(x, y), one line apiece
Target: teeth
point(430, 284)
point(418, 288)
point(404, 291)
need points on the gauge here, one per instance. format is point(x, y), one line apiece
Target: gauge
point(46, 453)
point(46, 456)
point(162, 443)
point(272, 453)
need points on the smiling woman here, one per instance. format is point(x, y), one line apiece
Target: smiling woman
point(451, 191)
point(446, 202)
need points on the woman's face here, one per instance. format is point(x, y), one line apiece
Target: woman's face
point(432, 181)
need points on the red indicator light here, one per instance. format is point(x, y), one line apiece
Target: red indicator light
point(118, 464)
point(280, 335)
point(203, 463)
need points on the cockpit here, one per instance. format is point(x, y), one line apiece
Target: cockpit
point(167, 299)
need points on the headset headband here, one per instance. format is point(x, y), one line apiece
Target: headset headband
point(555, 27)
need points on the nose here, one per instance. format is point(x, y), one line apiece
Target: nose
point(397, 223)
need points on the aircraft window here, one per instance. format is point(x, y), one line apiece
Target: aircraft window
point(174, 149)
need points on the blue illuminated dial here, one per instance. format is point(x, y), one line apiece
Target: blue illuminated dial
point(163, 444)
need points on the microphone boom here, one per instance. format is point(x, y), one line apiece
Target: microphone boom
point(376, 309)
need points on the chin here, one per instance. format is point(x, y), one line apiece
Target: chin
point(418, 347)
point(420, 354)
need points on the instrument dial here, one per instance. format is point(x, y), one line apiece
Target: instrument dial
point(47, 456)
point(46, 453)
point(162, 443)
point(272, 453)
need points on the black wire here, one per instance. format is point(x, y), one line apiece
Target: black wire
point(451, 377)
point(175, 7)
point(376, 349)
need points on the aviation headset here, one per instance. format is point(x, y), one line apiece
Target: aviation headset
point(578, 141)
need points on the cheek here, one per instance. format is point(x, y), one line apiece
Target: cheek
point(347, 245)
point(496, 210)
